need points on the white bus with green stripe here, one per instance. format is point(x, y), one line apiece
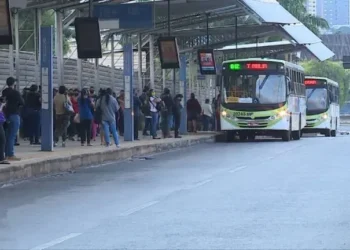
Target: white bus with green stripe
point(322, 106)
point(262, 97)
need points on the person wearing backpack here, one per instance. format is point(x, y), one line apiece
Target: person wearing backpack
point(154, 109)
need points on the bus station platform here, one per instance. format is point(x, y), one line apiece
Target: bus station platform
point(35, 163)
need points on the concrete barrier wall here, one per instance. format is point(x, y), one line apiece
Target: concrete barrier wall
point(27, 74)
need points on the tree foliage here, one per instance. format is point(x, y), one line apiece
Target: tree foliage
point(298, 10)
point(331, 70)
point(26, 29)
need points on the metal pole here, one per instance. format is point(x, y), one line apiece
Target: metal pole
point(11, 61)
point(97, 77)
point(151, 61)
point(207, 15)
point(139, 73)
point(37, 34)
point(113, 64)
point(164, 78)
point(174, 82)
point(17, 63)
point(59, 47)
point(236, 36)
point(168, 17)
point(91, 9)
point(80, 66)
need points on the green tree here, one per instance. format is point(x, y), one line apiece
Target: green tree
point(298, 10)
point(331, 70)
point(26, 29)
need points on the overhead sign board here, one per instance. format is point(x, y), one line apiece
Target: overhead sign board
point(130, 16)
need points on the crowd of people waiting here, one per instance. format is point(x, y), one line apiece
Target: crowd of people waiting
point(84, 115)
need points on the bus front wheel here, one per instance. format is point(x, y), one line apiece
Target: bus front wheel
point(297, 134)
point(334, 132)
point(286, 135)
point(327, 133)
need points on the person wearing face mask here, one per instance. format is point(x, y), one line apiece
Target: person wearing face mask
point(86, 117)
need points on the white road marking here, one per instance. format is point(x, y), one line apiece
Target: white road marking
point(237, 169)
point(56, 241)
point(198, 184)
point(137, 209)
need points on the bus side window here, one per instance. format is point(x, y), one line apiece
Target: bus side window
point(331, 94)
point(289, 85)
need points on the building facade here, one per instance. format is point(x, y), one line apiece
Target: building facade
point(336, 12)
point(311, 7)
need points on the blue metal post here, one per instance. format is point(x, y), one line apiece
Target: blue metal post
point(128, 88)
point(46, 88)
point(183, 89)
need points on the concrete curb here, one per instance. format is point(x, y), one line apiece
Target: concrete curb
point(55, 164)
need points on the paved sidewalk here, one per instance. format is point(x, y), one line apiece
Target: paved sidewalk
point(36, 163)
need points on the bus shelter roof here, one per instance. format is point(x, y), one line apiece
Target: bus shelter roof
point(188, 12)
point(318, 50)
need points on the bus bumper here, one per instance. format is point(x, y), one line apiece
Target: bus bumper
point(317, 127)
point(256, 127)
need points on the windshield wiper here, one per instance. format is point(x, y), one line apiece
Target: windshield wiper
point(263, 82)
point(309, 95)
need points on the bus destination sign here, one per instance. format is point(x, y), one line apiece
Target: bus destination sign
point(254, 66)
point(311, 82)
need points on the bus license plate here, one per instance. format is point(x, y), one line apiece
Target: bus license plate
point(253, 124)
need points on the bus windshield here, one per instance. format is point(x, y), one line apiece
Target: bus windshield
point(258, 89)
point(316, 98)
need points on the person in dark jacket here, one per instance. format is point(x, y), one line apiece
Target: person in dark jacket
point(14, 101)
point(194, 109)
point(145, 109)
point(177, 107)
point(33, 114)
point(167, 113)
point(137, 113)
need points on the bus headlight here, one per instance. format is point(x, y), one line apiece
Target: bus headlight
point(223, 113)
point(324, 116)
point(282, 113)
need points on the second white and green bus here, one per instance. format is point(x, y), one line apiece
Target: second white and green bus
point(322, 106)
point(262, 97)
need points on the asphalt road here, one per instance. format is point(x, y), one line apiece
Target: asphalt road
point(254, 195)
